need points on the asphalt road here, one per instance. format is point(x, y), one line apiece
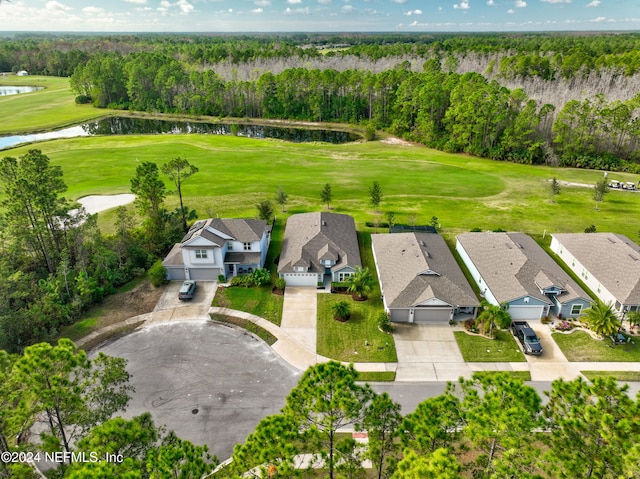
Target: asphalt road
point(209, 383)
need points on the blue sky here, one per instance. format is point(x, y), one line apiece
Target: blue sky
point(318, 15)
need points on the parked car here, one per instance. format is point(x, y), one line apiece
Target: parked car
point(187, 290)
point(527, 337)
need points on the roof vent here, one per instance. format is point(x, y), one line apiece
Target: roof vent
point(324, 223)
point(422, 243)
point(509, 245)
point(519, 245)
point(633, 257)
point(611, 239)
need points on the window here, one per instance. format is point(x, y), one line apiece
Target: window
point(201, 254)
point(526, 299)
point(343, 276)
point(576, 309)
point(247, 246)
point(229, 246)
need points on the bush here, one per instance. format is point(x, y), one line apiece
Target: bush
point(545, 320)
point(157, 274)
point(241, 280)
point(280, 283)
point(384, 323)
point(260, 277)
point(83, 100)
point(222, 278)
point(470, 325)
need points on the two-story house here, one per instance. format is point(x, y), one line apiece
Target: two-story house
point(228, 246)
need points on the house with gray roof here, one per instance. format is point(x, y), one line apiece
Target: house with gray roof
point(227, 246)
point(318, 248)
point(420, 279)
point(512, 268)
point(608, 263)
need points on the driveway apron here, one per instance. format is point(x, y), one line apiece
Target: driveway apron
point(428, 352)
point(299, 316)
point(551, 364)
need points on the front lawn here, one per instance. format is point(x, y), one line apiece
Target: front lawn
point(258, 301)
point(476, 349)
point(580, 346)
point(356, 340)
point(617, 375)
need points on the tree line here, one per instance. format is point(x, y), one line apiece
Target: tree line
point(72, 399)
point(55, 261)
point(439, 108)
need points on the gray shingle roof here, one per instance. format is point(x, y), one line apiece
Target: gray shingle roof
point(417, 267)
point(245, 230)
point(308, 237)
point(609, 257)
point(513, 265)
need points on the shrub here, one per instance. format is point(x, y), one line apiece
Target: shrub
point(280, 283)
point(83, 100)
point(157, 274)
point(545, 320)
point(341, 311)
point(241, 280)
point(222, 278)
point(260, 277)
point(470, 325)
point(564, 326)
point(384, 322)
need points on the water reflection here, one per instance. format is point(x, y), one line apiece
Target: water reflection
point(15, 90)
point(143, 126)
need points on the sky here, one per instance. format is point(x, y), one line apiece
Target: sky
point(318, 15)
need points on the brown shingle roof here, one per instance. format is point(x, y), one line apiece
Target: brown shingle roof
point(611, 258)
point(417, 267)
point(308, 237)
point(513, 265)
point(245, 230)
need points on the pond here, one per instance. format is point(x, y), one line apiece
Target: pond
point(15, 90)
point(143, 126)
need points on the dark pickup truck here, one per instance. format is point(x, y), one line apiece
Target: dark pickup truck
point(527, 337)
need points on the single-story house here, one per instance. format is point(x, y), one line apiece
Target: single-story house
point(608, 263)
point(420, 279)
point(512, 268)
point(318, 248)
point(227, 246)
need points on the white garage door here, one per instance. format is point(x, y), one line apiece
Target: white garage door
point(526, 312)
point(301, 279)
point(424, 315)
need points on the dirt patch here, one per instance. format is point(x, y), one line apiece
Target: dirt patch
point(120, 306)
point(396, 141)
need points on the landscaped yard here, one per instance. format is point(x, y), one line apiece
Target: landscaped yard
point(617, 375)
point(356, 340)
point(580, 346)
point(258, 301)
point(476, 349)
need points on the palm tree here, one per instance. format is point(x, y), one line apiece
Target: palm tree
point(493, 317)
point(341, 311)
point(601, 319)
point(361, 283)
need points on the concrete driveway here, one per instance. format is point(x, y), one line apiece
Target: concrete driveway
point(170, 308)
point(299, 316)
point(428, 352)
point(209, 383)
point(552, 363)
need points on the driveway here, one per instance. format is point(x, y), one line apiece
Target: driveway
point(552, 363)
point(428, 352)
point(299, 315)
point(209, 383)
point(170, 308)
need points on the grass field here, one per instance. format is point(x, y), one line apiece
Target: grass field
point(51, 108)
point(617, 375)
point(580, 346)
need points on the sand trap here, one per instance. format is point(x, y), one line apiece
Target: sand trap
point(96, 203)
point(396, 141)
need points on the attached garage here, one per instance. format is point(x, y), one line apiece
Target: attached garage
point(526, 312)
point(204, 274)
point(301, 279)
point(400, 315)
point(175, 273)
point(431, 314)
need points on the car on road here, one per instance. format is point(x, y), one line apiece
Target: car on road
point(187, 290)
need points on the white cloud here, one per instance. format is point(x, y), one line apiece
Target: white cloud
point(491, 3)
point(138, 2)
point(557, 1)
point(262, 3)
point(511, 10)
point(598, 19)
point(297, 11)
point(594, 3)
point(57, 6)
point(185, 6)
point(520, 4)
point(325, 2)
point(93, 10)
point(348, 9)
point(257, 10)
point(413, 12)
point(399, 1)
point(463, 5)
point(294, 2)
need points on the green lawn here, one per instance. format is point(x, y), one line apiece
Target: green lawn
point(52, 107)
point(617, 375)
point(580, 346)
point(258, 301)
point(476, 349)
point(523, 375)
point(377, 376)
point(262, 333)
point(357, 340)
